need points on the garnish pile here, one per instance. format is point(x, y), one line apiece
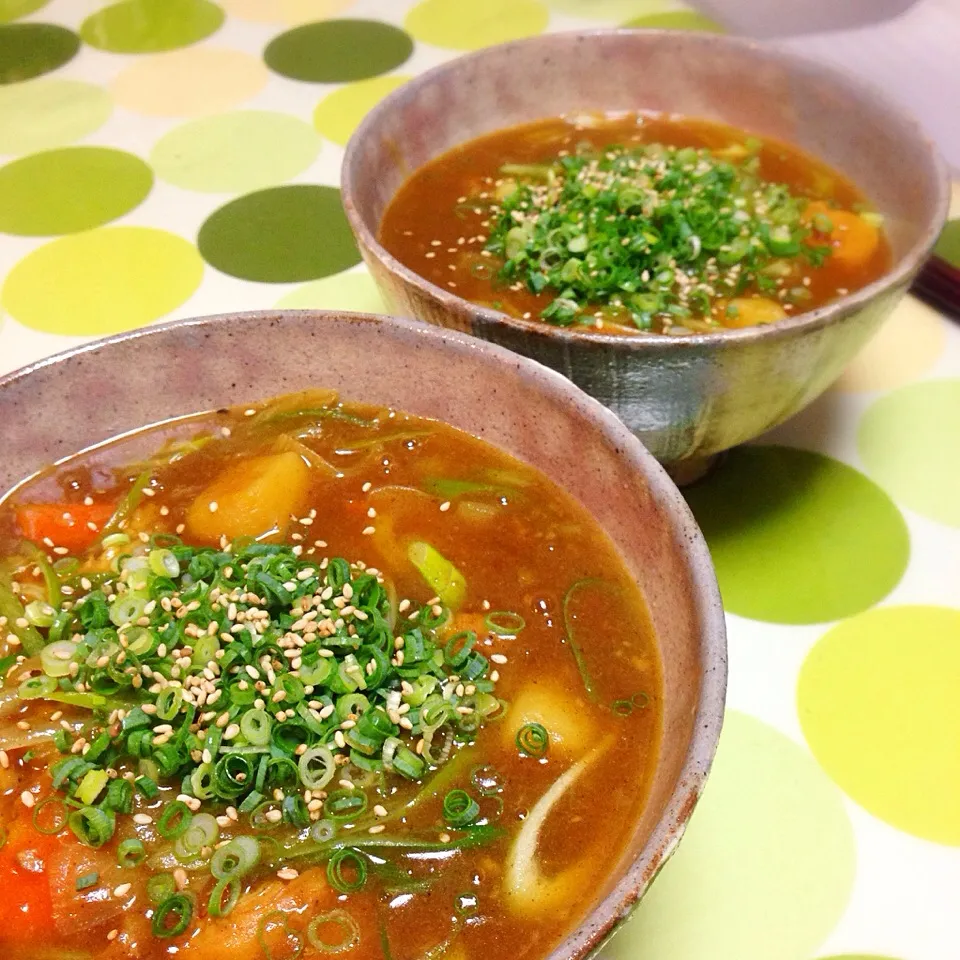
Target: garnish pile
point(252, 673)
point(647, 232)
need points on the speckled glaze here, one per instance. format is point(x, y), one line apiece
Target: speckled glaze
point(84, 396)
point(685, 397)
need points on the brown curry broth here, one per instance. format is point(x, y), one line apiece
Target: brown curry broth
point(523, 557)
point(423, 209)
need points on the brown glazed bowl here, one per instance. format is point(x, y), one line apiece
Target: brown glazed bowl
point(684, 397)
point(82, 397)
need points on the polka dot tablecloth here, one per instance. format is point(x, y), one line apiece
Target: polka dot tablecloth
point(169, 158)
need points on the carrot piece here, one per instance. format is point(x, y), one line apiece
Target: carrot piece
point(66, 524)
point(26, 908)
point(853, 240)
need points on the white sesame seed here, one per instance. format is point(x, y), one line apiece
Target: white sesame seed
point(213, 506)
point(274, 816)
point(288, 873)
point(122, 890)
point(445, 506)
point(27, 799)
point(368, 531)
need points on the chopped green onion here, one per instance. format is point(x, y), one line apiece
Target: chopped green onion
point(317, 767)
point(91, 786)
point(131, 853)
point(34, 688)
point(255, 726)
point(322, 831)
point(202, 832)
point(443, 577)
point(346, 870)
point(460, 809)
point(293, 941)
point(345, 804)
point(92, 826)
point(505, 623)
point(50, 824)
point(86, 881)
point(40, 613)
point(173, 915)
point(333, 932)
point(164, 563)
point(236, 858)
point(533, 740)
point(224, 897)
point(147, 787)
point(175, 820)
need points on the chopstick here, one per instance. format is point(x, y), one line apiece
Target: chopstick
point(938, 284)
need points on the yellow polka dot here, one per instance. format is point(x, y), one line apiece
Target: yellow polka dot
point(955, 200)
point(878, 705)
point(615, 11)
point(905, 348)
point(191, 82)
point(339, 113)
point(469, 25)
point(102, 281)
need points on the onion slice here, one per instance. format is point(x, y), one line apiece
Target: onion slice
point(528, 890)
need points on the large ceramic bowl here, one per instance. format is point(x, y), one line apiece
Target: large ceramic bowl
point(82, 397)
point(683, 396)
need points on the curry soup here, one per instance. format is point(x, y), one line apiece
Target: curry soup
point(642, 223)
point(311, 677)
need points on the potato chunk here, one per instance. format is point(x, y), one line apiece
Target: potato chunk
point(251, 498)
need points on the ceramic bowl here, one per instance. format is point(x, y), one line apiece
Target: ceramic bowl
point(685, 397)
point(84, 396)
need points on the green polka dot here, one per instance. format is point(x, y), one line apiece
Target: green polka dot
point(14, 9)
point(337, 51)
point(339, 113)
point(28, 50)
point(468, 25)
point(64, 191)
point(948, 246)
point(280, 235)
point(49, 112)
point(102, 281)
point(798, 537)
point(766, 868)
point(614, 11)
point(676, 20)
point(235, 152)
point(909, 442)
point(149, 26)
point(877, 699)
point(354, 291)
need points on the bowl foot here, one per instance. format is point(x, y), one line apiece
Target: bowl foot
point(686, 472)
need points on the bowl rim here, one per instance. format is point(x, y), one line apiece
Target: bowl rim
point(608, 913)
point(900, 274)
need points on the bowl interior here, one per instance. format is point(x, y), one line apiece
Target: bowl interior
point(763, 90)
point(62, 405)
